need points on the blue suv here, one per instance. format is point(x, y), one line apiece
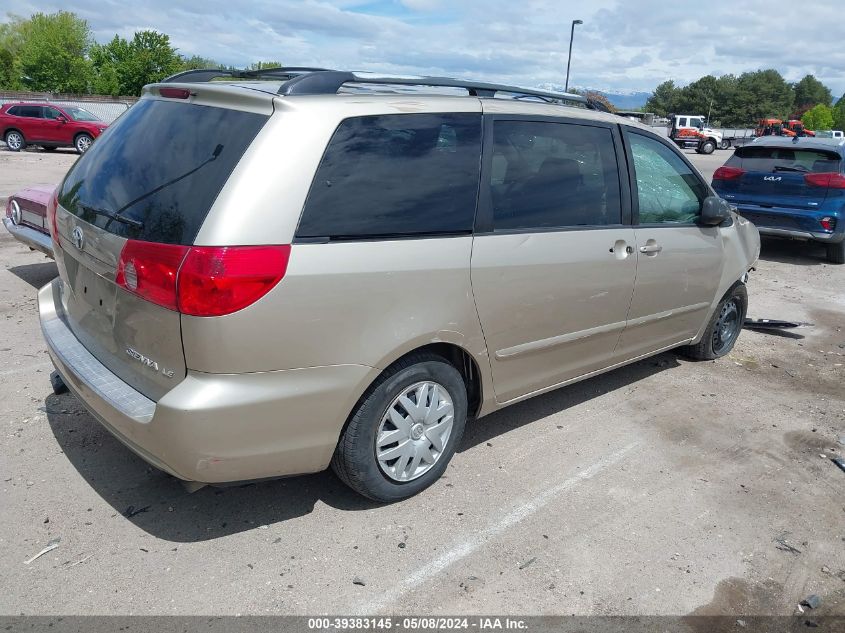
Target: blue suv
point(790, 187)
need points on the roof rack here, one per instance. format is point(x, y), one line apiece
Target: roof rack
point(202, 75)
point(300, 80)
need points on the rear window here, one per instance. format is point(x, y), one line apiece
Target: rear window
point(396, 176)
point(160, 166)
point(772, 159)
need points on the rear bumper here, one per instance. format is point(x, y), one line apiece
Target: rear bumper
point(828, 238)
point(29, 236)
point(212, 428)
point(792, 223)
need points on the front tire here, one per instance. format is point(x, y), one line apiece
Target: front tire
point(836, 253)
point(707, 147)
point(404, 430)
point(82, 142)
point(723, 328)
point(15, 141)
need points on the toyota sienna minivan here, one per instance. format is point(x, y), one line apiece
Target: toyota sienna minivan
point(314, 268)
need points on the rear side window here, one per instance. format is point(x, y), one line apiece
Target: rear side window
point(32, 112)
point(785, 159)
point(547, 175)
point(161, 166)
point(396, 176)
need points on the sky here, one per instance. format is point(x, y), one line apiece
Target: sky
point(622, 46)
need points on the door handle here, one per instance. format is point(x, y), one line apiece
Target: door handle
point(651, 248)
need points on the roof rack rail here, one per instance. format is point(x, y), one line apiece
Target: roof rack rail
point(202, 75)
point(330, 81)
point(303, 80)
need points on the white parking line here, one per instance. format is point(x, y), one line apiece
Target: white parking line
point(477, 540)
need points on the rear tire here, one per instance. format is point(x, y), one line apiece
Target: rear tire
point(836, 253)
point(725, 145)
point(15, 141)
point(724, 327)
point(363, 457)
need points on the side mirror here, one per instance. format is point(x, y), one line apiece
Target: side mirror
point(61, 118)
point(714, 211)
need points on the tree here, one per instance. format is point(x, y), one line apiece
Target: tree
point(810, 92)
point(261, 65)
point(839, 114)
point(195, 62)
point(664, 99)
point(818, 118)
point(760, 94)
point(124, 67)
point(11, 38)
point(597, 96)
point(52, 53)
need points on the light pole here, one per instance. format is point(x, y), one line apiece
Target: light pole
point(569, 61)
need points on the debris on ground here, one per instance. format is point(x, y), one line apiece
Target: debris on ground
point(772, 324)
point(813, 601)
point(783, 545)
point(358, 581)
point(839, 462)
point(528, 562)
point(79, 562)
point(49, 548)
point(131, 511)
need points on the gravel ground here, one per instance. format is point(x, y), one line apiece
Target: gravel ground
point(666, 487)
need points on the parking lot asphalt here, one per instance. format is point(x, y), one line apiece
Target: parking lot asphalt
point(665, 487)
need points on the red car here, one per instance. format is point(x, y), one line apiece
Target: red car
point(49, 126)
point(26, 217)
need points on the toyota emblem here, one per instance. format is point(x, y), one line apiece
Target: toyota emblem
point(78, 238)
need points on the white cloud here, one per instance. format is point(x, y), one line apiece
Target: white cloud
point(622, 44)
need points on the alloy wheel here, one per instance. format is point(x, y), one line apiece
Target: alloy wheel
point(83, 143)
point(14, 141)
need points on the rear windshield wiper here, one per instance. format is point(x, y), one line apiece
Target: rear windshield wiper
point(787, 168)
point(118, 215)
point(113, 216)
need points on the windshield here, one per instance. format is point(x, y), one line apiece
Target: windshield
point(78, 114)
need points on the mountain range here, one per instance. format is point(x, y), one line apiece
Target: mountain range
point(622, 99)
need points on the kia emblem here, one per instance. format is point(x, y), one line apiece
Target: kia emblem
point(78, 238)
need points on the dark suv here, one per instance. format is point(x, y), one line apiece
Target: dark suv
point(49, 126)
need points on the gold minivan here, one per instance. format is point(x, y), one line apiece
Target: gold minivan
point(264, 276)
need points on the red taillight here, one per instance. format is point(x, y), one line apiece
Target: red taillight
point(728, 173)
point(201, 280)
point(215, 280)
point(829, 180)
point(828, 224)
point(52, 205)
point(175, 93)
point(150, 270)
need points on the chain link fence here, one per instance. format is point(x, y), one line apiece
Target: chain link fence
point(104, 108)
